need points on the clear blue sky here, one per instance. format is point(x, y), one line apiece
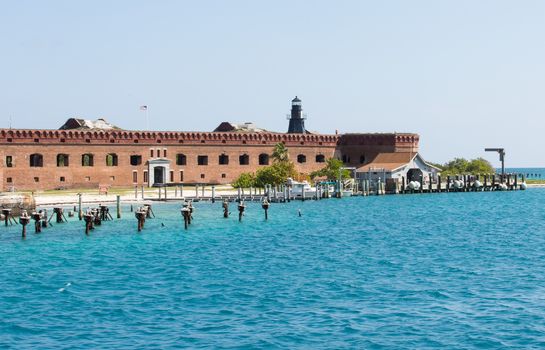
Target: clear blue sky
point(462, 74)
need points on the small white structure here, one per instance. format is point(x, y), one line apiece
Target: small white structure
point(393, 167)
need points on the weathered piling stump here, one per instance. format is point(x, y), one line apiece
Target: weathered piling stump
point(225, 206)
point(37, 217)
point(186, 214)
point(80, 212)
point(141, 214)
point(118, 206)
point(105, 213)
point(44, 217)
point(24, 219)
point(7, 216)
point(241, 208)
point(88, 217)
point(149, 211)
point(191, 209)
point(265, 206)
point(58, 213)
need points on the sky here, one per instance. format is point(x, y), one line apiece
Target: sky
point(464, 75)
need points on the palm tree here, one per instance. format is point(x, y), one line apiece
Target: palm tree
point(280, 153)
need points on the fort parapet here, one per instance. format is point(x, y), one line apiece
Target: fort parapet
point(73, 158)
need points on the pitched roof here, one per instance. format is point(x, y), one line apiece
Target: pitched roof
point(77, 123)
point(389, 161)
point(233, 127)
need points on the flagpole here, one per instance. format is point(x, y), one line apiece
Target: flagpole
point(147, 119)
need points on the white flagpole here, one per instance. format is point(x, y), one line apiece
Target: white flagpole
point(147, 119)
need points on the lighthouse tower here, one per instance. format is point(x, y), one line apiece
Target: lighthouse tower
point(297, 121)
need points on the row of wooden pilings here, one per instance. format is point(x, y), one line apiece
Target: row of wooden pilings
point(273, 193)
point(40, 219)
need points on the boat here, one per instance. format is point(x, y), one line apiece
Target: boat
point(298, 188)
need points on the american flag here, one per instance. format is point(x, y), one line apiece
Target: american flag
point(143, 108)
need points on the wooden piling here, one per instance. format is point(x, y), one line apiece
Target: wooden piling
point(80, 213)
point(118, 206)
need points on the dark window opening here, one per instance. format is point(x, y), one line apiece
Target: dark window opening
point(223, 159)
point(134, 177)
point(171, 176)
point(111, 159)
point(362, 159)
point(136, 159)
point(345, 158)
point(223, 176)
point(36, 160)
point(62, 160)
point(9, 180)
point(145, 176)
point(301, 158)
point(181, 176)
point(202, 160)
point(87, 160)
point(36, 140)
point(202, 176)
point(62, 179)
point(151, 153)
point(9, 161)
point(244, 159)
point(36, 179)
point(320, 158)
point(263, 159)
point(181, 159)
point(164, 153)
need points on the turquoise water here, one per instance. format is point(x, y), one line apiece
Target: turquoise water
point(458, 270)
point(529, 173)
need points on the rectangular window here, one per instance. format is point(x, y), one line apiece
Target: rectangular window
point(87, 178)
point(164, 153)
point(62, 179)
point(202, 160)
point(136, 160)
point(202, 176)
point(9, 161)
point(223, 176)
point(181, 176)
point(9, 180)
point(171, 176)
point(36, 179)
point(151, 153)
point(145, 176)
point(134, 177)
point(112, 178)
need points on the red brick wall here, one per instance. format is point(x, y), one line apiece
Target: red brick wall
point(20, 144)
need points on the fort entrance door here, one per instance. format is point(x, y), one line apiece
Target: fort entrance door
point(159, 175)
point(158, 169)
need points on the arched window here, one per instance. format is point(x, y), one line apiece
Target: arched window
point(345, 158)
point(111, 159)
point(362, 159)
point(181, 159)
point(263, 159)
point(320, 158)
point(87, 159)
point(36, 160)
point(62, 160)
point(244, 159)
point(223, 159)
point(301, 158)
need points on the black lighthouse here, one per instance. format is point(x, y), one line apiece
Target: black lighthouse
point(297, 121)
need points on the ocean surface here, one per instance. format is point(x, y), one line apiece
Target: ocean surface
point(457, 271)
point(529, 173)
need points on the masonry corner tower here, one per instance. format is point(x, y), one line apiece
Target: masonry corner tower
point(297, 121)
